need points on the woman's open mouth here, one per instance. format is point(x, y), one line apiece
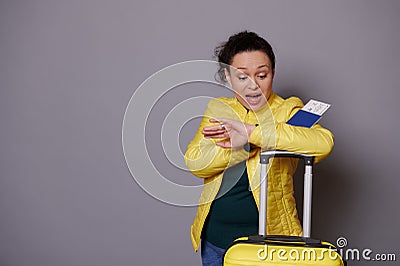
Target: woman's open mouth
point(253, 99)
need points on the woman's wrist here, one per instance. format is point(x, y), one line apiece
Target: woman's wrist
point(250, 129)
point(248, 147)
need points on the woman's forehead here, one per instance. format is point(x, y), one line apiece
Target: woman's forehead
point(251, 60)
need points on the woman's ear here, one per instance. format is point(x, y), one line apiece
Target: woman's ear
point(228, 77)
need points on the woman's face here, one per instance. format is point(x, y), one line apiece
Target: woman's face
point(251, 77)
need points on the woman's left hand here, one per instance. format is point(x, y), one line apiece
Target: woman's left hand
point(236, 131)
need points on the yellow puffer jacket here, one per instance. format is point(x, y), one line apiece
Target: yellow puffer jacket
point(207, 160)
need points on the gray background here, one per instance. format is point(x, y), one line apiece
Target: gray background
point(69, 68)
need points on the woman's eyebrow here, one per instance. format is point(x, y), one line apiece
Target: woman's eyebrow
point(267, 66)
point(261, 66)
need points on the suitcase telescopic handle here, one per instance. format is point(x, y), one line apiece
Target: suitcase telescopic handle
point(264, 161)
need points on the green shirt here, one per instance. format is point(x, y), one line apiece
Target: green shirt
point(234, 212)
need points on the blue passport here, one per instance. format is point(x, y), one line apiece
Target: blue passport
point(309, 115)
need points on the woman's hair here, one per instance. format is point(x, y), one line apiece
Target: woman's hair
point(241, 42)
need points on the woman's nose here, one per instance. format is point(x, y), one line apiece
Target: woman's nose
point(253, 85)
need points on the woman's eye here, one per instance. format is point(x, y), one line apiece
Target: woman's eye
point(242, 78)
point(263, 76)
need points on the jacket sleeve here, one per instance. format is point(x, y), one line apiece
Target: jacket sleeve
point(203, 157)
point(316, 141)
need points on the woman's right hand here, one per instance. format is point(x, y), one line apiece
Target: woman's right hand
point(235, 133)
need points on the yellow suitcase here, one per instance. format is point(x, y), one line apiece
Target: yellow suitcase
point(282, 250)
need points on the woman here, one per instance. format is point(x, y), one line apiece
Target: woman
point(226, 148)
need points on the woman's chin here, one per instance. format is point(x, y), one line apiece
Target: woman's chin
point(257, 106)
